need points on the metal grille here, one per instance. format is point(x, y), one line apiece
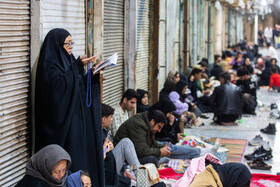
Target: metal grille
point(162, 44)
point(113, 84)
point(14, 89)
point(143, 44)
point(69, 15)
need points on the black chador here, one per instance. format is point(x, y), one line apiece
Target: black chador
point(62, 116)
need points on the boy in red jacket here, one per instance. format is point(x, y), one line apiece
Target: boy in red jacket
point(274, 80)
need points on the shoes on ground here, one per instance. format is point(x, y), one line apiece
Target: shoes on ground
point(212, 150)
point(273, 106)
point(270, 129)
point(259, 164)
point(256, 141)
point(205, 116)
point(264, 152)
point(274, 114)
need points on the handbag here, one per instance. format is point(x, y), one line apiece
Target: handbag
point(147, 175)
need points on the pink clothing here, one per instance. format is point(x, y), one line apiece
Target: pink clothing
point(197, 165)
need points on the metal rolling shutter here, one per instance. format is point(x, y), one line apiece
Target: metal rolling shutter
point(143, 44)
point(69, 15)
point(14, 89)
point(177, 38)
point(162, 44)
point(113, 84)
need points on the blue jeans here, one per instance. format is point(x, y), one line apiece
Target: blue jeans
point(182, 152)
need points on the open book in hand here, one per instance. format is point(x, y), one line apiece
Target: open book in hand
point(111, 61)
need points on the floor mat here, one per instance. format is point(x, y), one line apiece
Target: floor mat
point(265, 180)
point(236, 148)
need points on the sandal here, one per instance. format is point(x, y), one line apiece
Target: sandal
point(259, 164)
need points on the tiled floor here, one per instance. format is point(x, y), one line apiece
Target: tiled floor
point(248, 130)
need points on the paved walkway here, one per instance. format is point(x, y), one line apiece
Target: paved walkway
point(248, 130)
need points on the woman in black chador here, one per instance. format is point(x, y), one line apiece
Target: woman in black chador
point(63, 114)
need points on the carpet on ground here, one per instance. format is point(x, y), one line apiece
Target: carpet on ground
point(178, 165)
point(236, 148)
point(265, 180)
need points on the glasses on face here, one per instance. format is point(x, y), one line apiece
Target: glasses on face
point(69, 44)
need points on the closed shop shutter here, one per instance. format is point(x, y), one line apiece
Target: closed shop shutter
point(177, 37)
point(14, 90)
point(143, 44)
point(162, 44)
point(113, 84)
point(69, 15)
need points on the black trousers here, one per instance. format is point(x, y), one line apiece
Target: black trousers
point(248, 104)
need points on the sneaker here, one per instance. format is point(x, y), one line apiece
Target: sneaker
point(260, 154)
point(273, 106)
point(274, 114)
point(213, 150)
point(270, 129)
point(205, 116)
point(265, 145)
point(256, 141)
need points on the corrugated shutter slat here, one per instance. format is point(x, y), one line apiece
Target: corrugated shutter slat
point(113, 84)
point(69, 15)
point(162, 44)
point(14, 89)
point(143, 44)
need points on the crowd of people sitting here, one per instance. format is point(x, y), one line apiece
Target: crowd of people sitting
point(69, 136)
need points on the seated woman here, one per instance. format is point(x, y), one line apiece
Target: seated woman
point(48, 167)
point(274, 64)
point(209, 171)
point(168, 87)
point(117, 172)
point(229, 175)
point(265, 75)
point(170, 133)
point(182, 109)
point(142, 101)
point(237, 61)
point(79, 179)
point(174, 76)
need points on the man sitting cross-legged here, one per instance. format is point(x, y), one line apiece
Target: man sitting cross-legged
point(116, 158)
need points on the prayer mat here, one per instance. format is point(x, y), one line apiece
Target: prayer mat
point(169, 173)
point(265, 180)
point(236, 148)
point(178, 165)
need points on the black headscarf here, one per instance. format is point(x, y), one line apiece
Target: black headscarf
point(166, 106)
point(140, 106)
point(61, 114)
point(167, 88)
point(42, 163)
point(233, 174)
point(179, 87)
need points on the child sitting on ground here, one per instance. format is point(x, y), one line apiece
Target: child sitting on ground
point(181, 107)
point(79, 179)
point(274, 80)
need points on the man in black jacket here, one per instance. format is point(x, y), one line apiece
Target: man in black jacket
point(248, 90)
point(226, 101)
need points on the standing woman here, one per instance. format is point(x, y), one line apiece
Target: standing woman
point(63, 114)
